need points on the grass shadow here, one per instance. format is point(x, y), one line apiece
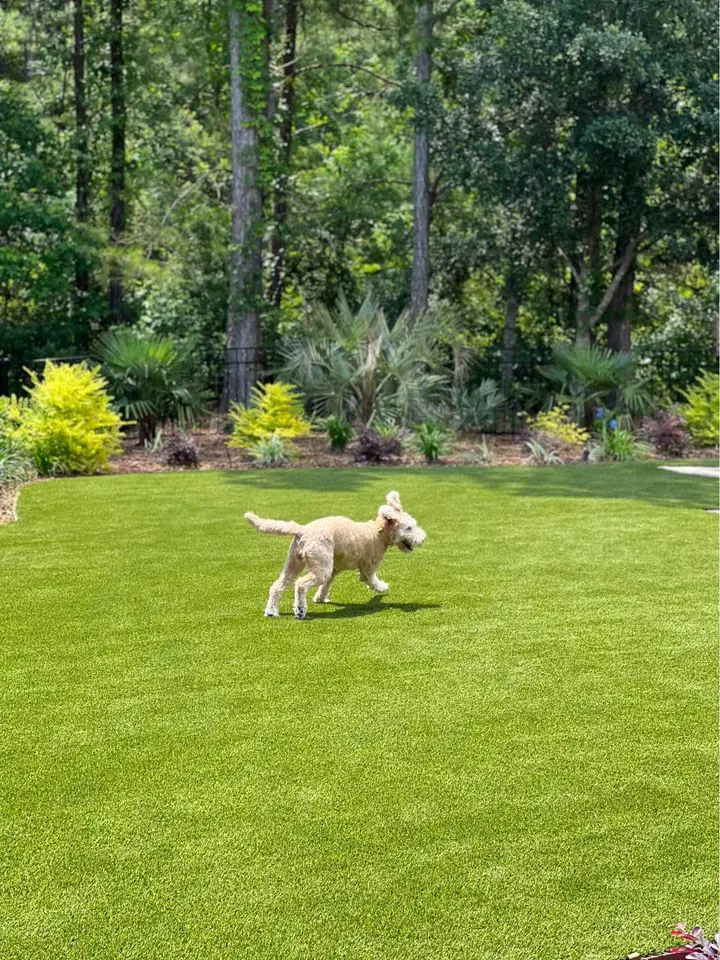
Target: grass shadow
point(641, 482)
point(374, 605)
point(303, 478)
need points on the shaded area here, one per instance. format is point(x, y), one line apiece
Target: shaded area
point(613, 481)
point(374, 606)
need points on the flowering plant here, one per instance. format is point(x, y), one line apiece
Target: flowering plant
point(702, 948)
point(615, 441)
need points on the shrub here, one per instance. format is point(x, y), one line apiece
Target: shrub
point(339, 432)
point(181, 451)
point(615, 442)
point(374, 446)
point(432, 441)
point(152, 379)
point(701, 948)
point(357, 365)
point(473, 409)
point(275, 411)
point(68, 425)
point(556, 426)
point(667, 432)
point(702, 410)
point(585, 377)
point(485, 452)
point(272, 451)
point(540, 455)
point(15, 467)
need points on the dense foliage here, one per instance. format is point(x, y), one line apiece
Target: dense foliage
point(572, 191)
point(67, 425)
point(275, 411)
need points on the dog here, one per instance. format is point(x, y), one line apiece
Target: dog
point(333, 544)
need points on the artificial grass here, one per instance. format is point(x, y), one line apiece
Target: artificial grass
point(511, 755)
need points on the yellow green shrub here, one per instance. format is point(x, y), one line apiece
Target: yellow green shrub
point(275, 410)
point(556, 425)
point(702, 410)
point(68, 425)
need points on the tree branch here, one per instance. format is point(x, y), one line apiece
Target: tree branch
point(573, 271)
point(183, 195)
point(617, 279)
point(349, 66)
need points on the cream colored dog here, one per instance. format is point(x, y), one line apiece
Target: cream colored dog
point(333, 544)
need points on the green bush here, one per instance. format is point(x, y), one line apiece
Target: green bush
point(152, 379)
point(271, 452)
point(339, 431)
point(358, 365)
point(615, 442)
point(540, 455)
point(584, 378)
point(275, 411)
point(432, 441)
point(15, 467)
point(68, 426)
point(476, 408)
point(702, 410)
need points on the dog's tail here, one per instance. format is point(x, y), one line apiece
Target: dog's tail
point(285, 528)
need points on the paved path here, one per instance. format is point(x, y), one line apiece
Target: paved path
point(696, 471)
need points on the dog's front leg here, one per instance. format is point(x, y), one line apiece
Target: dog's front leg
point(373, 581)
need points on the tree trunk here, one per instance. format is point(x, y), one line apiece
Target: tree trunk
point(588, 268)
point(287, 96)
point(512, 305)
point(421, 164)
point(82, 162)
point(243, 321)
point(620, 312)
point(621, 307)
point(118, 211)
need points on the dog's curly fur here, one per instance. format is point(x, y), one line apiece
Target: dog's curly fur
point(333, 544)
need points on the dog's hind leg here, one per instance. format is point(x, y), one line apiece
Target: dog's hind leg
point(293, 566)
point(320, 566)
point(322, 594)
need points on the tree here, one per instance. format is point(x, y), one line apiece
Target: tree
point(118, 208)
point(82, 158)
point(287, 100)
point(421, 161)
point(247, 43)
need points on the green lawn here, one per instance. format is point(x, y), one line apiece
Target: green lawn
point(511, 755)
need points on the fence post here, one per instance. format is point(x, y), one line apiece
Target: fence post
point(4, 376)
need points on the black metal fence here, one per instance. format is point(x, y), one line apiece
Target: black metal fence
point(226, 375)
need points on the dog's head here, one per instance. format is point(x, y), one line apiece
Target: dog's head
point(401, 530)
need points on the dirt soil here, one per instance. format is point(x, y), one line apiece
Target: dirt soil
point(312, 451)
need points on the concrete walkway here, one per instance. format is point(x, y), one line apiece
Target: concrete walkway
point(696, 471)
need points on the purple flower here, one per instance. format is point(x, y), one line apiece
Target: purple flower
point(599, 413)
point(612, 424)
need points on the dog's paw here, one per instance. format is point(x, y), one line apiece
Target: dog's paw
point(319, 599)
point(381, 587)
point(272, 613)
point(299, 613)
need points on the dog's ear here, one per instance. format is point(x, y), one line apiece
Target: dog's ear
point(393, 499)
point(388, 515)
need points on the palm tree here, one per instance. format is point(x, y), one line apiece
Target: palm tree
point(587, 377)
point(356, 365)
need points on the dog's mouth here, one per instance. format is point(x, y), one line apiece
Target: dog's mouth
point(406, 546)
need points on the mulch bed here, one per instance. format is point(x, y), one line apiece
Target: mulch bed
point(8, 500)
point(312, 451)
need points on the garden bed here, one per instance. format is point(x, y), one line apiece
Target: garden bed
point(312, 451)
